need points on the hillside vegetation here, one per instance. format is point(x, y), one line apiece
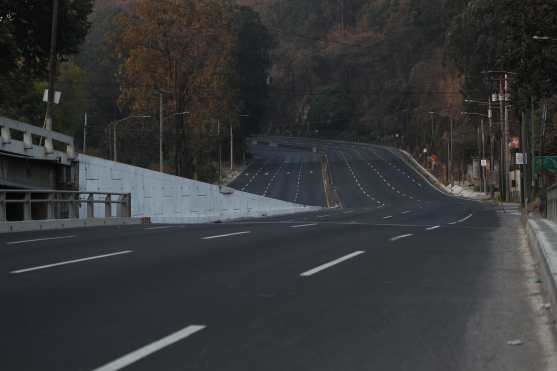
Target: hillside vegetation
point(365, 70)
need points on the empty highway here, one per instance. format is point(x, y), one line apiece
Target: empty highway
point(398, 276)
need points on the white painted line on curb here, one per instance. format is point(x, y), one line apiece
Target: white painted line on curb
point(303, 225)
point(40, 239)
point(433, 228)
point(400, 237)
point(226, 235)
point(149, 349)
point(24, 270)
point(330, 264)
point(462, 220)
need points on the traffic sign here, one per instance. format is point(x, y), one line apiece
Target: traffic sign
point(521, 158)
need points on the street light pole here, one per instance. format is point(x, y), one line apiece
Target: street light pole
point(451, 151)
point(231, 149)
point(115, 146)
point(232, 144)
point(483, 175)
point(220, 152)
point(52, 64)
point(85, 134)
point(114, 126)
point(161, 119)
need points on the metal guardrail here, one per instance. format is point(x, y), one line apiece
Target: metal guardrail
point(552, 202)
point(52, 204)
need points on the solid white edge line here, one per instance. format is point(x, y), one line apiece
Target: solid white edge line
point(303, 225)
point(41, 239)
point(387, 217)
point(149, 349)
point(24, 270)
point(400, 237)
point(226, 235)
point(330, 264)
point(433, 228)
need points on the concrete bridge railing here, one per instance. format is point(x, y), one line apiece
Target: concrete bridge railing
point(35, 142)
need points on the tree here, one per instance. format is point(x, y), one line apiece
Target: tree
point(100, 61)
point(184, 49)
point(497, 35)
point(253, 63)
point(27, 24)
point(25, 42)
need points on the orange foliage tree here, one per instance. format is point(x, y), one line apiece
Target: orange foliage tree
point(184, 49)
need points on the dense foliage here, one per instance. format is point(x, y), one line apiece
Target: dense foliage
point(369, 70)
point(25, 43)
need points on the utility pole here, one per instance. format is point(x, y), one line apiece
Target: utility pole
point(507, 152)
point(115, 145)
point(231, 149)
point(503, 163)
point(451, 150)
point(482, 155)
point(542, 147)
point(532, 150)
point(491, 141)
point(52, 65)
point(161, 119)
point(85, 134)
point(220, 152)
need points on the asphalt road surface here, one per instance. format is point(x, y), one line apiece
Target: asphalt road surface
point(402, 277)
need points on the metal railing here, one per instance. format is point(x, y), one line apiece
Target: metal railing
point(552, 203)
point(17, 205)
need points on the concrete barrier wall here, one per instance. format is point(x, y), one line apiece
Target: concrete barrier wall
point(169, 199)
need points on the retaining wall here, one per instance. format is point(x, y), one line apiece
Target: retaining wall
point(170, 199)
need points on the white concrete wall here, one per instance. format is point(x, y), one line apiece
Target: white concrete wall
point(170, 199)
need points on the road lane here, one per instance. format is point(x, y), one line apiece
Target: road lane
point(150, 282)
point(441, 297)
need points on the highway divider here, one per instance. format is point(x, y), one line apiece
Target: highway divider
point(331, 196)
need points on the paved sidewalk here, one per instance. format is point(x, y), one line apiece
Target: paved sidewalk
point(542, 235)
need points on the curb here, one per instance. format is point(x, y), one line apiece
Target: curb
point(549, 279)
point(426, 175)
point(43, 225)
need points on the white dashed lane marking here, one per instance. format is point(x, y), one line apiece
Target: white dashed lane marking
point(330, 264)
point(400, 237)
